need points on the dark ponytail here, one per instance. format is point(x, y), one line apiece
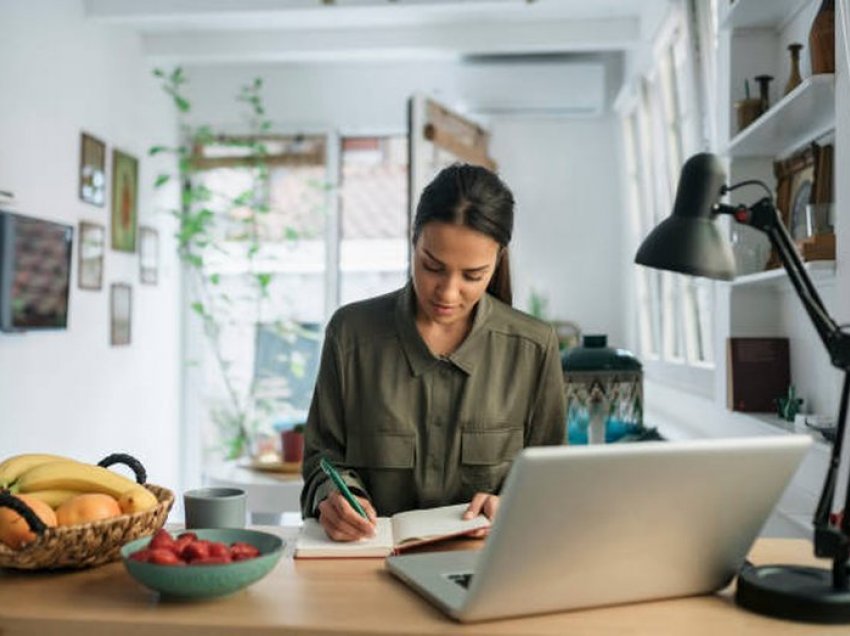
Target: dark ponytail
point(500, 284)
point(473, 196)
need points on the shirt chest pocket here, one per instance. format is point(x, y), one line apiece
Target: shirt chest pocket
point(381, 450)
point(486, 457)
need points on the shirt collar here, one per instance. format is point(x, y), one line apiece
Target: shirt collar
point(419, 357)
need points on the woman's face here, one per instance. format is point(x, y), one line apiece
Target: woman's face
point(452, 266)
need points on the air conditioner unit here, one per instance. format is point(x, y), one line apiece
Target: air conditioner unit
point(551, 89)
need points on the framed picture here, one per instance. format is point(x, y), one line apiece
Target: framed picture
point(90, 255)
point(125, 194)
point(794, 186)
point(148, 255)
point(92, 170)
point(120, 313)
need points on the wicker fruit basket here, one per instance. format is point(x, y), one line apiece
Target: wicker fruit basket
point(84, 545)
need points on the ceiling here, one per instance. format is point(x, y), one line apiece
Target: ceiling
point(239, 31)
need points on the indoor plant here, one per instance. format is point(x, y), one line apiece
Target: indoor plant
point(239, 409)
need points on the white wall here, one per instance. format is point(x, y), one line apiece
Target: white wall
point(70, 392)
point(567, 241)
point(560, 168)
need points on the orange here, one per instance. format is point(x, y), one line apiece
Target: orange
point(85, 508)
point(15, 531)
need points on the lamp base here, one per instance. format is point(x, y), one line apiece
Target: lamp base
point(792, 592)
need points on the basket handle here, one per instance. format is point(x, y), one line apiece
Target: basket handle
point(129, 460)
point(8, 500)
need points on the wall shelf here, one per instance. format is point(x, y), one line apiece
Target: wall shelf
point(803, 115)
point(755, 14)
point(821, 272)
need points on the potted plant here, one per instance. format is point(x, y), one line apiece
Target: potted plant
point(236, 408)
point(292, 444)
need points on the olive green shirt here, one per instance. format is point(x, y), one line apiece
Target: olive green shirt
point(409, 429)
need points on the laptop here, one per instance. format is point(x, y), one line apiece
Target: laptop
point(601, 525)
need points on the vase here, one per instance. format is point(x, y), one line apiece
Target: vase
point(604, 392)
point(822, 39)
point(764, 91)
point(794, 78)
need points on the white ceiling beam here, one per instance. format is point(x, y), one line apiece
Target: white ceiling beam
point(423, 42)
point(177, 15)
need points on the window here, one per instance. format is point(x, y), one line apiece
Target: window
point(374, 246)
point(307, 253)
point(661, 127)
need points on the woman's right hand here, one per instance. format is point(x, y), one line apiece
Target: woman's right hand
point(342, 522)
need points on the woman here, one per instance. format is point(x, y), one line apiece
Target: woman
point(425, 395)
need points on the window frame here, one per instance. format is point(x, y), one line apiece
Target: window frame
point(660, 110)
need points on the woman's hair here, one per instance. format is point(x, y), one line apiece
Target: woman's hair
point(473, 196)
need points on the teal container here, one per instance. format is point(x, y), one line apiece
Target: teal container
point(604, 391)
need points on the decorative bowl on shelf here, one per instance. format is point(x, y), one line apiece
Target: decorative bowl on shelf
point(207, 581)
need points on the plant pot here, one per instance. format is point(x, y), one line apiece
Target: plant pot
point(292, 446)
point(748, 110)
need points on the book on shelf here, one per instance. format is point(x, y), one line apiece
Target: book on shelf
point(758, 371)
point(394, 534)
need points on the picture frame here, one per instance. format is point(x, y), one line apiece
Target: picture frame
point(148, 255)
point(125, 194)
point(795, 182)
point(120, 314)
point(804, 180)
point(92, 177)
point(90, 251)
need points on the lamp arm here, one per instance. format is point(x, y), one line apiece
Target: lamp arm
point(830, 542)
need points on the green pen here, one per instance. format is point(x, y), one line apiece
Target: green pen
point(330, 471)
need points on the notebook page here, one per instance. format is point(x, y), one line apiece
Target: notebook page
point(434, 522)
point(313, 542)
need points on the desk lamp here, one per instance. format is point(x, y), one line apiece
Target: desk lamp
point(689, 242)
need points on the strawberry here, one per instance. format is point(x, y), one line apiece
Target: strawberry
point(141, 555)
point(239, 551)
point(195, 550)
point(218, 549)
point(163, 556)
point(162, 539)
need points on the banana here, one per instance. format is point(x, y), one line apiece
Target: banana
point(138, 499)
point(71, 475)
point(15, 466)
point(55, 497)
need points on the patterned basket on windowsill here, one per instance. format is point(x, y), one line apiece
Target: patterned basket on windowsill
point(83, 545)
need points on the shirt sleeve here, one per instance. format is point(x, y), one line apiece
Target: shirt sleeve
point(547, 425)
point(324, 435)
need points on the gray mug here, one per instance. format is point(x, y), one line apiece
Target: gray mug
point(215, 508)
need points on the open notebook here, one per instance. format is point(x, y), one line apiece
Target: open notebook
point(392, 535)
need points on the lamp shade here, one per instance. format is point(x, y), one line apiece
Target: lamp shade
point(689, 241)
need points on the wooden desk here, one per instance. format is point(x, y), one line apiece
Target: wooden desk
point(353, 596)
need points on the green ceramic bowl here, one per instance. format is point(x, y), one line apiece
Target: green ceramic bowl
point(207, 581)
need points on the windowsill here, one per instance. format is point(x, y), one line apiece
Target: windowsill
point(698, 380)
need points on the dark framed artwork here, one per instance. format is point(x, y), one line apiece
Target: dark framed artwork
point(795, 184)
point(120, 313)
point(125, 195)
point(92, 170)
point(92, 243)
point(148, 255)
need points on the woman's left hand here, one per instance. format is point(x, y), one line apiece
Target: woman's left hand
point(482, 503)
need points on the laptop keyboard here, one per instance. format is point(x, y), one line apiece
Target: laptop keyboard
point(463, 579)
